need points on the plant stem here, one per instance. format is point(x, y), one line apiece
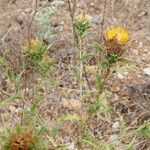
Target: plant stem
point(30, 23)
point(25, 90)
point(103, 21)
point(81, 66)
point(86, 78)
point(72, 12)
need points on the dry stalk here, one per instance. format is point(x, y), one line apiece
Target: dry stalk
point(103, 20)
point(30, 23)
point(72, 12)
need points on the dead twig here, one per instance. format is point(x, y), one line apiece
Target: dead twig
point(4, 36)
point(72, 12)
point(103, 20)
point(30, 23)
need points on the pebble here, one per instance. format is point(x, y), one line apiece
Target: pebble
point(20, 18)
point(70, 145)
point(28, 10)
point(18, 111)
point(116, 125)
point(58, 3)
point(114, 139)
point(72, 104)
point(140, 45)
point(97, 19)
point(92, 4)
point(122, 76)
point(141, 14)
point(146, 71)
point(12, 109)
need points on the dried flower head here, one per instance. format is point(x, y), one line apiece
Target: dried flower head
point(118, 34)
point(24, 138)
point(21, 141)
point(33, 43)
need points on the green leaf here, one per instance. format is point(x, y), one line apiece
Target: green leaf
point(101, 103)
point(108, 61)
point(18, 79)
point(9, 100)
point(54, 131)
point(99, 82)
point(36, 103)
point(131, 145)
point(41, 131)
point(10, 74)
point(69, 117)
point(86, 57)
point(97, 46)
point(144, 130)
point(82, 26)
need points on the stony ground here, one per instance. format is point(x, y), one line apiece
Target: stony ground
point(130, 89)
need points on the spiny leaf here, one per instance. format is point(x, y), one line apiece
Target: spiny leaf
point(69, 117)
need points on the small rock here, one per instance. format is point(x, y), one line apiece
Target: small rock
point(140, 45)
point(81, 4)
point(70, 145)
point(146, 71)
point(72, 104)
point(97, 19)
point(122, 76)
point(141, 14)
point(20, 18)
point(12, 109)
point(28, 11)
point(116, 125)
point(114, 139)
point(60, 28)
point(58, 3)
point(92, 4)
point(18, 111)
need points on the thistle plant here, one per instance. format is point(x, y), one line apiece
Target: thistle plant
point(82, 24)
point(36, 63)
point(115, 41)
point(35, 55)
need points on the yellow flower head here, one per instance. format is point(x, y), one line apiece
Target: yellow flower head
point(33, 43)
point(118, 34)
point(82, 16)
